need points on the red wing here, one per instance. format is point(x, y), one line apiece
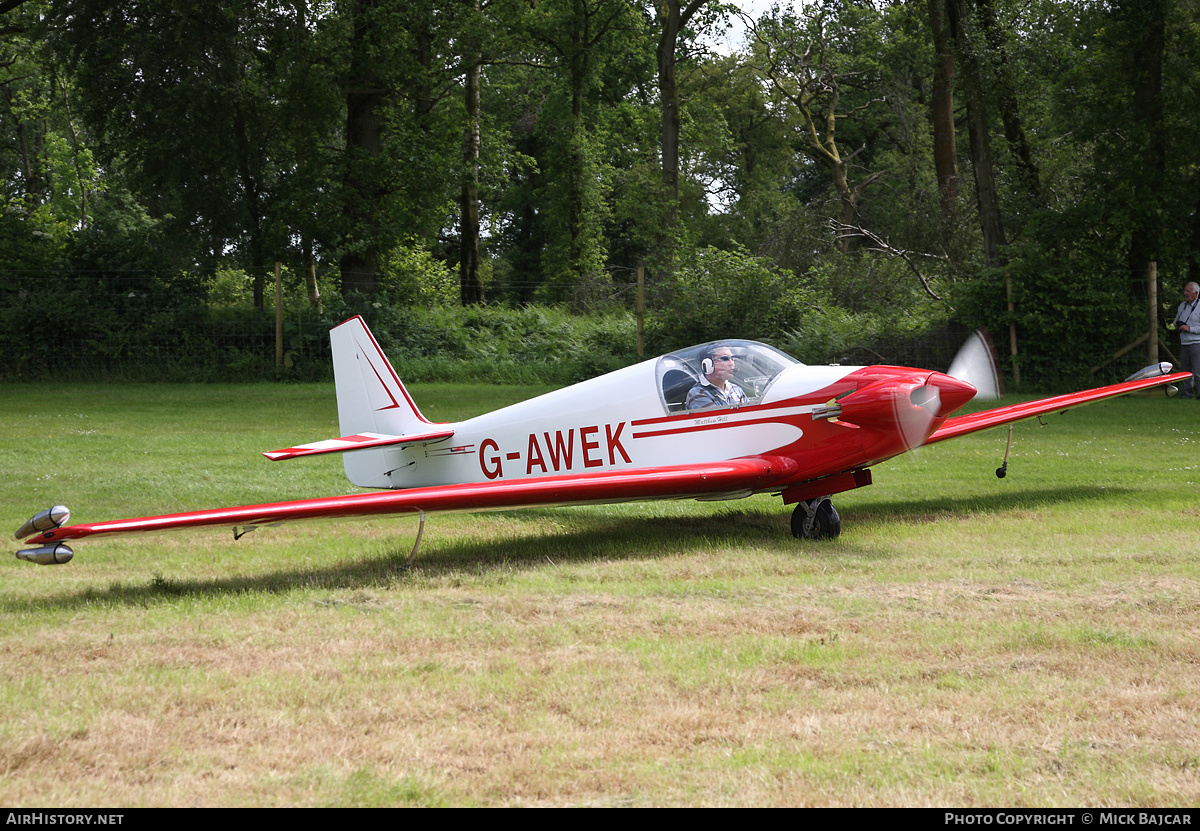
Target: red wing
point(962, 425)
point(735, 476)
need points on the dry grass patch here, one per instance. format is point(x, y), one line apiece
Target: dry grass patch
point(966, 641)
point(857, 694)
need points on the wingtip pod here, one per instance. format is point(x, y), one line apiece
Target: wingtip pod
point(1152, 371)
point(45, 520)
point(47, 555)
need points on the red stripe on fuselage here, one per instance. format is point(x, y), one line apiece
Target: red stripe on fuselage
point(719, 425)
point(749, 408)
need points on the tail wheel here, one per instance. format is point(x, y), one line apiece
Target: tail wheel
point(816, 519)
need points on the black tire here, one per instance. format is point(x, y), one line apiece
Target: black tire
point(826, 522)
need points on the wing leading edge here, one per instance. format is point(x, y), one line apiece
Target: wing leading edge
point(973, 422)
point(736, 477)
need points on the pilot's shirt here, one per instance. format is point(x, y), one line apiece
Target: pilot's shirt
point(703, 396)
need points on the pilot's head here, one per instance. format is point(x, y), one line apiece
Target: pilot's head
point(718, 365)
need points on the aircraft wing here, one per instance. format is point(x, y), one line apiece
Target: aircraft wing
point(964, 424)
point(360, 441)
point(736, 477)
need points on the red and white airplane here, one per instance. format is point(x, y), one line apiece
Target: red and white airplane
point(803, 432)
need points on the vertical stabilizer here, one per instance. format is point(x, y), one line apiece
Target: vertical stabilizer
point(370, 399)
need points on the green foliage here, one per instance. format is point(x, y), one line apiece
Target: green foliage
point(229, 288)
point(185, 329)
point(719, 294)
point(868, 309)
point(535, 343)
point(184, 148)
point(1071, 310)
point(31, 240)
point(865, 283)
point(412, 275)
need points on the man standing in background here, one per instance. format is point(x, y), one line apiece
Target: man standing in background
point(1187, 323)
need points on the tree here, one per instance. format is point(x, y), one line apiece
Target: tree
point(367, 179)
point(1147, 24)
point(489, 37)
point(945, 155)
point(673, 17)
point(801, 59)
point(979, 135)
point(44, 152)
point(178, 93)
point(592, 46)
point(470, 282)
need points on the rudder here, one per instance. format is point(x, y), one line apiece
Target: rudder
point(370, 399)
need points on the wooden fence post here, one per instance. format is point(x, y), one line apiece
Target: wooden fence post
point(1012, 333)
point(641, 312)
point(1152, 300)
point(278, 317)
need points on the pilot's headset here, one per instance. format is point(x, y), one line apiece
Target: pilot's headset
point(707, 365)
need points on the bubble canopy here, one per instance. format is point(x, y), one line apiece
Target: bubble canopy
point(756, 366)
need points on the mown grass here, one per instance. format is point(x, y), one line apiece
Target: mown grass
point(967, 640)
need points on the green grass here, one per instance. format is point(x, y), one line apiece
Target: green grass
point(967, 640)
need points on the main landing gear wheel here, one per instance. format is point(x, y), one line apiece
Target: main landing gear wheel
point(816, 519)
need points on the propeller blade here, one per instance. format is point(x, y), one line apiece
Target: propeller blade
point(976, 364)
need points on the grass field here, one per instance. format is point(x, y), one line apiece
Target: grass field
point(969, 641)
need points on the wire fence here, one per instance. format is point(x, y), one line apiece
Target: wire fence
point(139, 327)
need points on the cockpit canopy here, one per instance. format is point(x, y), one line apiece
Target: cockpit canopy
point(756, 365)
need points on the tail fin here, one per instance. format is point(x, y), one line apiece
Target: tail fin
point(370, 399)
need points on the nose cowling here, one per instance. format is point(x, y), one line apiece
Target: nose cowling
point(952, 393)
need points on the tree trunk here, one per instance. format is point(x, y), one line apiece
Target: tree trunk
point(470, 283)
point(364, 146)
point(1147, 23)
point(980, 141)
point(673, 17)
point(1194, 260)
point(945, 159)
point(578, 151)
point(254, 218)
point(668, 94)
point(1010, 113)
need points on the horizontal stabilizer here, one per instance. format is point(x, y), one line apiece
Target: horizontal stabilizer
point(361, 441)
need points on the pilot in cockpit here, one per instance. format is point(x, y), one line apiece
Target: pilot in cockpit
point(715, 388)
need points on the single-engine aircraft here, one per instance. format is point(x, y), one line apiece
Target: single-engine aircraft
point(803, 432)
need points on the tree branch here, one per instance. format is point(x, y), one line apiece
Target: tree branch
point(848, 231)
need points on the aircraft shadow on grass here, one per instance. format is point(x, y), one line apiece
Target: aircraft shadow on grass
point(941, 506)
point(590, 537)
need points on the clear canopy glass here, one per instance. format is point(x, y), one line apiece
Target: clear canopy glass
point(756, 366)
